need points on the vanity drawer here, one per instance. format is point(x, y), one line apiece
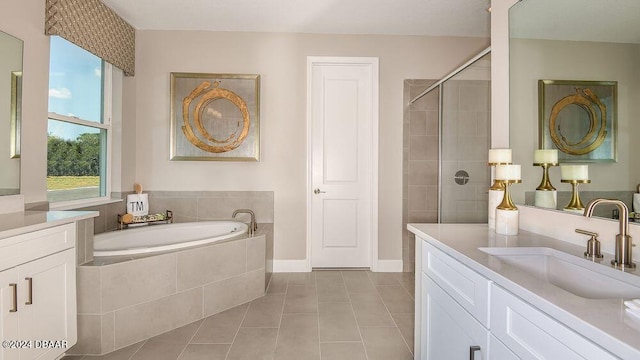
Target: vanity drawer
point(531, 334)
point(467, 287)
point(20, 249)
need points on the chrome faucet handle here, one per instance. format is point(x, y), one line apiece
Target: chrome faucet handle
point(593, 245)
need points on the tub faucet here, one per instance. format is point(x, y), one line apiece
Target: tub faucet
point(253, 225)
point(622, 257)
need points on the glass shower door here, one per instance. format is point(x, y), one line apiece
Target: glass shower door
point(465, 139)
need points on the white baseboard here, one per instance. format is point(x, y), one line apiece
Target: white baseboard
point(301, 266)
point(290, 266)
point(389, 266)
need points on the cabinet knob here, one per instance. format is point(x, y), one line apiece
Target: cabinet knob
point(472, 351)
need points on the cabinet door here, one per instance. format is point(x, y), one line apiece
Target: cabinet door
point(9, 315)
point(498, 351)
point(532, 334)
point(448, 330)
point(47, 302)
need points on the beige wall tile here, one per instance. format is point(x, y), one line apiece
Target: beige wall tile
point(108, 332)
point(225, 294)
point(255, 284)
point(209, 264)
point(88, 289)
point(88, 240)
point(80, 242)
point(133, 282)
point(142, 321)
point(256, 249)
point(88, 335)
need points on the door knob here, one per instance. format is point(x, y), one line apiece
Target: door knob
point(318, 191)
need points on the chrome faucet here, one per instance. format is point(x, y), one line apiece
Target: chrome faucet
point(253, 225)
point(622, 257)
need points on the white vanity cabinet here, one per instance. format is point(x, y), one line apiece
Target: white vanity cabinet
point(531, 334)
point(454, 309)
point(461, 310)
point(448, 330)
point(38, 294)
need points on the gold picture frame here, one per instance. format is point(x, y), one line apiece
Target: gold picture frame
point(579, 119)
point(215, 117)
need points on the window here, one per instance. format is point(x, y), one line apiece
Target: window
point(79, 128)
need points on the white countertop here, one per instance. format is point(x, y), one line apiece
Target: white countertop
point(18, 223)
point(602, 321)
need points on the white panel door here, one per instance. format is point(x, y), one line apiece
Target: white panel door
point(342, 116)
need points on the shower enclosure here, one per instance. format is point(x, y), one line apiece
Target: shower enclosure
point(446, 141)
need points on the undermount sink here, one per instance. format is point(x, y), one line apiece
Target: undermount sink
point(579, 276)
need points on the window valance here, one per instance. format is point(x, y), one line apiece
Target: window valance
point(96, 28)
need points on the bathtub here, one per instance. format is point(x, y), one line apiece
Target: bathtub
point(167, 237)
point(123, 300)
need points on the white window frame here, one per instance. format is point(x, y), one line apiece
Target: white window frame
point(106, 125)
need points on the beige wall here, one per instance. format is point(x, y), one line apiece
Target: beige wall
point(532, 60)
point(280, 59)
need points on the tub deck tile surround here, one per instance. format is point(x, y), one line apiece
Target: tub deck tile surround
point(127, 300)
point(262, 330)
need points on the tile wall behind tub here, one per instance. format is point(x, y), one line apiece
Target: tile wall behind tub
point(420, 164)
point(188, 206)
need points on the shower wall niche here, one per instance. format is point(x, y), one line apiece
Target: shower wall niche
point(445, 144)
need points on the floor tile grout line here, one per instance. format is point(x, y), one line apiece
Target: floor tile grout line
point(138, 349)
point(366, 354)
point(246, 311)
point(315, 282)
point(286, 290)
point(191, 338)
point(394, 321)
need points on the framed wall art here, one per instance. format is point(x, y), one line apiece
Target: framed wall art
point(579, 118)
point(215, 117)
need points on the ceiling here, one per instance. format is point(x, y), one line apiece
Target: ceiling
point(388, 17)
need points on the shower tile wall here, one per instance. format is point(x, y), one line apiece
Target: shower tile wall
point(466, 139)
point(420, 163)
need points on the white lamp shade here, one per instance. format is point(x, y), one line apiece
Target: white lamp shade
point(545, 156)
point(508, 172)
point(500, 156)
point(574, 172)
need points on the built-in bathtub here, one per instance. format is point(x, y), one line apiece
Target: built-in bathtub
point(153, 289)
point(153, 239)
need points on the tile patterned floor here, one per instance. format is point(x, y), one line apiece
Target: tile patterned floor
point(323, 315)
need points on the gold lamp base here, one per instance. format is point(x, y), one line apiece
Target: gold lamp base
point(507, 203)
point(575, 203)
point(545, 184)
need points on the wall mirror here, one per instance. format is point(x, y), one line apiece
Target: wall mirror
point(10, 113)
point(580, 41)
